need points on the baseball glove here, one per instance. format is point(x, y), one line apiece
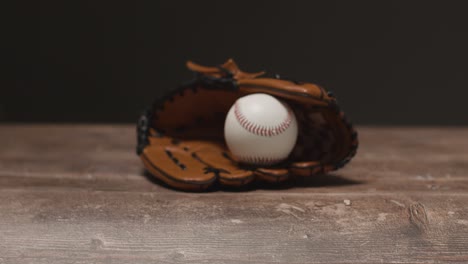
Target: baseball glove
point(180, 139)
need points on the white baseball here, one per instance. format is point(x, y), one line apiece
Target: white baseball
point(260, 129)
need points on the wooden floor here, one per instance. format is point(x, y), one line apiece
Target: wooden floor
point(79, 194)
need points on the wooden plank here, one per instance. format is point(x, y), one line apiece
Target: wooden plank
point(103, 157)
point(118, 227)
point(78, 194)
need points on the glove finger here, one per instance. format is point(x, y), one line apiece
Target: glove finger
point(230, 67)
point(304, 93)
point(175, 165)
point(272, 174)
point(309, 168)
point(216, 157)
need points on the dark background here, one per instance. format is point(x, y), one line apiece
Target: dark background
point(388, 62)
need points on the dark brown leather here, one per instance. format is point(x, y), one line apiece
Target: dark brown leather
point(180, 139)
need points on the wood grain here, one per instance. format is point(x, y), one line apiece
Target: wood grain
point(79, 194)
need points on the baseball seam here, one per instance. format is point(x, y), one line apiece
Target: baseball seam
point(258, 129)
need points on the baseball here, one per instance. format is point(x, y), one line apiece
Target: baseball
point(260, 130)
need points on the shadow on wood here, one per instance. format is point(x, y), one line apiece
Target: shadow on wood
point(317, 181)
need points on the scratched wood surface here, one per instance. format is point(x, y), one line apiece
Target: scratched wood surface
point(79, 194)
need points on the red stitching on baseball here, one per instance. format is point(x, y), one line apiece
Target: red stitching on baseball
point(260, 130)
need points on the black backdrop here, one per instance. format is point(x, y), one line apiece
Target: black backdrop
point(388, 62)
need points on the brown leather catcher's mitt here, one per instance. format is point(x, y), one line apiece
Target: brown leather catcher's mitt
point(180, 139)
